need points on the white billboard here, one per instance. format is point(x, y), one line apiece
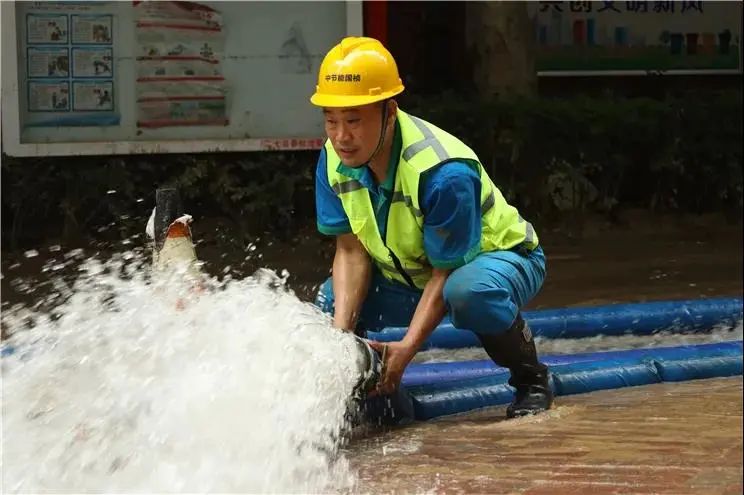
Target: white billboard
point(161, 77)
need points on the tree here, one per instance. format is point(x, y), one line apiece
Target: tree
point(500, 40)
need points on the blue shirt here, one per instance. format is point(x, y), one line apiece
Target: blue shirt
point(449, 199)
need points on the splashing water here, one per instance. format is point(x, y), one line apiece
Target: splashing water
point(143, 385)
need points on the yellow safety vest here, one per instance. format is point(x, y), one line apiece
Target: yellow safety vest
point(401, 256)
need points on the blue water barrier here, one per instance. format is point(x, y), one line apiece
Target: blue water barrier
point(605, 370)
point(615, 319)
point(431, 373)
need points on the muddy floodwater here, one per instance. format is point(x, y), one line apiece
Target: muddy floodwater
point(187, 399)
point(671, 438)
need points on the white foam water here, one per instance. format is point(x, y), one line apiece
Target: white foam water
point(144, 385)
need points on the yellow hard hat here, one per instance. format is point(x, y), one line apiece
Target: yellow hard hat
point(356, 72)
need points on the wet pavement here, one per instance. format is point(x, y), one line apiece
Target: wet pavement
point(672, 438)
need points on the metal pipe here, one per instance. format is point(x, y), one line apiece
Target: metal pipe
point(168, 207)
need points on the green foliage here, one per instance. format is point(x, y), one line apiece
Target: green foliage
point(554, 159)
point(256, 190)
point(558, 157)
point(111, 197)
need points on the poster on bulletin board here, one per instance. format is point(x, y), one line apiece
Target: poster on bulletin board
point(165, 76)
point(60, 65)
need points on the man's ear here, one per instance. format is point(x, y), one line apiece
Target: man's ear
point(392, 108)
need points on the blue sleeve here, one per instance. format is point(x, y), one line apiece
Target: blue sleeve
point(450, 201)
point(331, 218)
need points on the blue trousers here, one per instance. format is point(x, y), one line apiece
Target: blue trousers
point(483, 296)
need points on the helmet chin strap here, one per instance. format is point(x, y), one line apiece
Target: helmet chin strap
point(382, 133)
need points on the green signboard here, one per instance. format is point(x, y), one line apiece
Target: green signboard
point(637, 36)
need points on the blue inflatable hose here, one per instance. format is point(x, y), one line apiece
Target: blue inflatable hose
point(430, 373)
point(682, 316)
point(608, 370)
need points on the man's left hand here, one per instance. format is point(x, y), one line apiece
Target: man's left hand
point(396, 358)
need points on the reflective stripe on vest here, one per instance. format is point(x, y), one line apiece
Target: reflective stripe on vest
point(430, 140)
point(398, 196)
point(348, 186)
point(424, 146)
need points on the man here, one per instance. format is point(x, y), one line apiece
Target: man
point(421, 231)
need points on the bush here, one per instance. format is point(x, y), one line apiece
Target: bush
point(557, 156)
point(111, 197)
point(555, 159)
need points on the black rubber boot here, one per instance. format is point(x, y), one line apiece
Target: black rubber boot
point(515, 350)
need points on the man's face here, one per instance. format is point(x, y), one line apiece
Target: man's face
point(354, 132)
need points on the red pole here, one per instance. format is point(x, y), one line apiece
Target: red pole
point(375, 19)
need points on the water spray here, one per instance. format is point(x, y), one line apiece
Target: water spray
point(162, 378)
point(173, 249)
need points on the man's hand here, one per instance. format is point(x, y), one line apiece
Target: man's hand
point(396, 356)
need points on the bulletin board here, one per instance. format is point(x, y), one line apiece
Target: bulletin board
point(168, 76)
